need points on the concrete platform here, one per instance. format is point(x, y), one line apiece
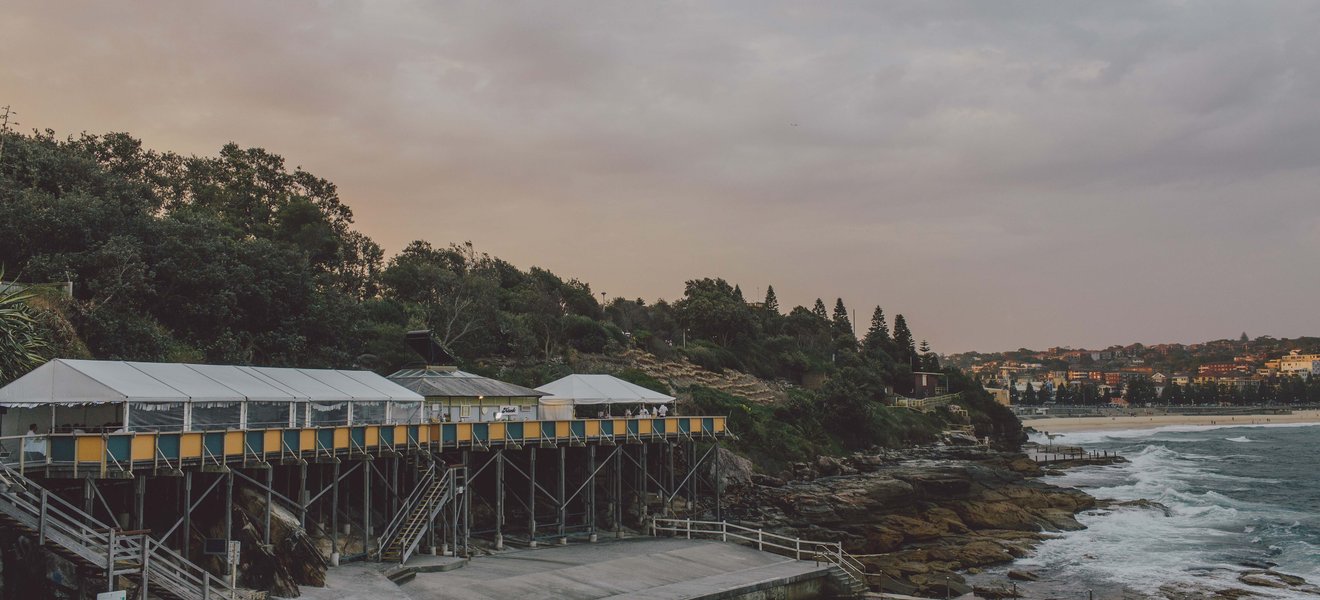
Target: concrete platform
point(637, 569)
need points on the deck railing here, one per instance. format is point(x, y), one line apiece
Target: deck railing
point(798, 548)
point(99, 454)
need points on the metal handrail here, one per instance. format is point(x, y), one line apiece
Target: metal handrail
point(408, 506)
point(830, 552)
point(446, 481)
point(60, 521)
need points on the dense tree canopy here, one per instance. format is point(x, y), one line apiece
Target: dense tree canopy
point(238, 258)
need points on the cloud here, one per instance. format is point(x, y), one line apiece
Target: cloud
point(1005, 174)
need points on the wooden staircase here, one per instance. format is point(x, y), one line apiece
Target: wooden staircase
point(79, 537)
point(435, 491)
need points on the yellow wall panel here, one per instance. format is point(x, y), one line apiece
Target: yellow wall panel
point(341, 438)
point(190, 445)
point(90, 449)
point(694, 426)
point(643, 427)
point(531, 430)
point(271, 440)
point(593, 428)
point(463, 432)
point(307, 439)
point(234, 443)
point(496, 431)
point(143, 447)
point(372, 436)
point(561, 429)
point(719, 424)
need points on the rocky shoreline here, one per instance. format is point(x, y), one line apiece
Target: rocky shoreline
point(925, 519)
point(922, 517)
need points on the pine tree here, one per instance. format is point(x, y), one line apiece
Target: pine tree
point(842, 324)
point(877, 337)
point(771, 302)
point(737, 293)
point(1063, 394)
point(1028, 395)
point(905, 347)
point(819, 310)
point(1244, 339)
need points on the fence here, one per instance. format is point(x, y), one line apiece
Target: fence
point(798, 548)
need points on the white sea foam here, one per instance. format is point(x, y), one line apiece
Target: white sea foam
point(1204, 537)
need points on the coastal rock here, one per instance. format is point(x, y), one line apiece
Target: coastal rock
point(734, 470)
point(1017, 575)
point(917, 516)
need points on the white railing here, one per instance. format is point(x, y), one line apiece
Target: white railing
point(119, 552)
point(925, 404)
point(798, 548)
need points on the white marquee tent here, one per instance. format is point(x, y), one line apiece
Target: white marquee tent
point(575, 390)
point(66, 393)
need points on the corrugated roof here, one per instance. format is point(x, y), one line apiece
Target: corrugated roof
point(434, 383)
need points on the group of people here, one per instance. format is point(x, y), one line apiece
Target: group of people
point(642, 412)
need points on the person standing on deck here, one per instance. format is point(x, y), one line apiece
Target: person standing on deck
point(34, 445)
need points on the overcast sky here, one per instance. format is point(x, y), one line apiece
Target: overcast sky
point(1005, 174)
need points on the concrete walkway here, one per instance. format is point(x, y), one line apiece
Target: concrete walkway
point(638, 569)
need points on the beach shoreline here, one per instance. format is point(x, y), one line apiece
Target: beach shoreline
point(1064, 424)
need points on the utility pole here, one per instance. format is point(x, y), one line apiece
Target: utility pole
point(4, 129)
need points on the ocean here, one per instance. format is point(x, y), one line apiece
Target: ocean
point(1238, 498)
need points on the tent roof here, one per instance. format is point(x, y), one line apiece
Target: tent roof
point(67, 381)
point(600, 389)
point(452, 383)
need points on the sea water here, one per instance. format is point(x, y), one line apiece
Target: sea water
point(1237, 498)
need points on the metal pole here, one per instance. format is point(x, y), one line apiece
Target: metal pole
point(499, 499)
point(719, 484)
point(88, 495)
point(669, 486)
point(229, 520)
point(559, 496)
point(692, 478)
point(187, 513)
point(467, 501)
point(302, 495)
point(334, 515)
point(617, 489)
point(591, 492)
point(531, 497)
point(270, 476)
point(139, 502)
point(366, 506)
point(646, 473)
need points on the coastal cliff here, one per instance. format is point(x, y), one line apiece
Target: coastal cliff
point(920, 516)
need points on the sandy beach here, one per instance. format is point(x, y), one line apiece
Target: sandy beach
point(1152, 421)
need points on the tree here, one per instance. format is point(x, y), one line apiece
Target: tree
point(737, 293)
point(454, 290)
point(771, 302)
point(22, 341)
point(842, 324)
point(1029, 397)
point(903, 343)
point(819, 310)
point(712, 311)
point(1172, 394)
point(1063, 394)
point(877, 337)
point(1140, 390)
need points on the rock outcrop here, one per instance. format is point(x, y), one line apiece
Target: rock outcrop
point(920, 516)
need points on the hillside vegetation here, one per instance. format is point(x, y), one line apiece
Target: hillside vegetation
point(236, 258)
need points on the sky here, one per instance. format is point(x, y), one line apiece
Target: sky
point(1005, 174)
